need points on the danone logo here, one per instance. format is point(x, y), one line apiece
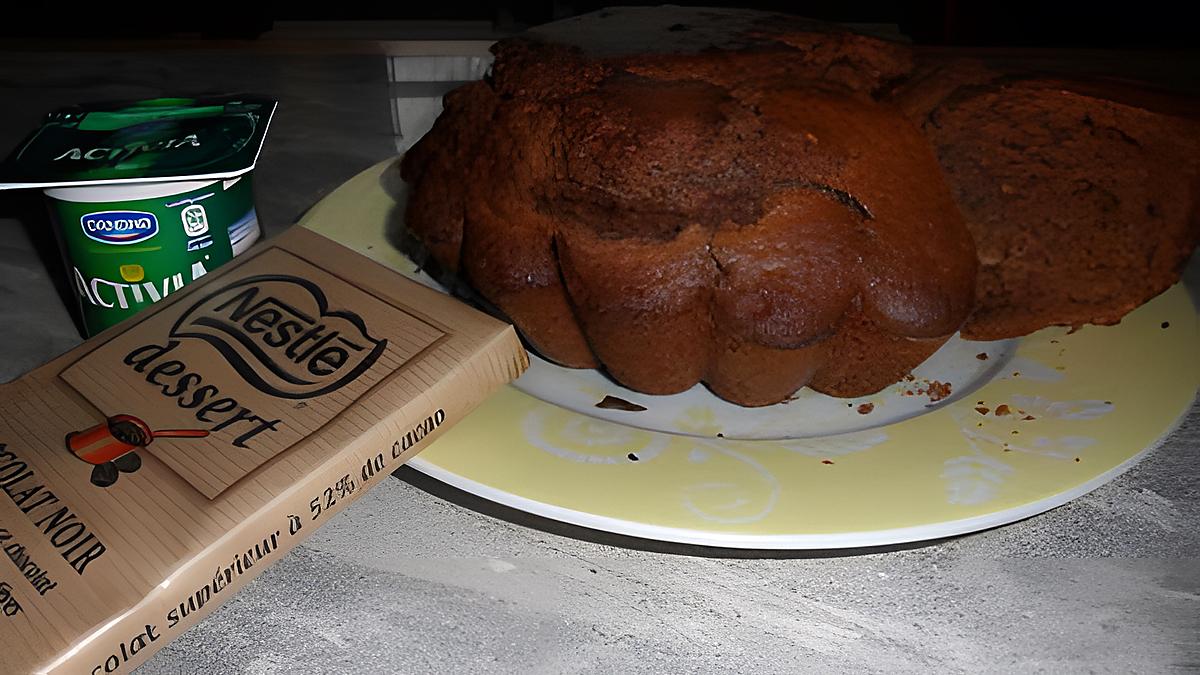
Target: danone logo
point(119, 227)
point(278, 332)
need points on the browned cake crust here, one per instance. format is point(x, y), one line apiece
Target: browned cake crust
point(749, 217)
point(1083, 197)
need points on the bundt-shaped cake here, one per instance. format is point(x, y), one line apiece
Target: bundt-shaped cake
point(749, 217)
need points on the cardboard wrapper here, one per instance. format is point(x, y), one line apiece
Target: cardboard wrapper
point(151, 472)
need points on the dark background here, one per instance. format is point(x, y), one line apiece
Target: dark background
point(1019, 23)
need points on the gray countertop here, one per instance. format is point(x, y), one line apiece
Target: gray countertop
point(416, 577)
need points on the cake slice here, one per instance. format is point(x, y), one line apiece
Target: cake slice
point(1083, 197)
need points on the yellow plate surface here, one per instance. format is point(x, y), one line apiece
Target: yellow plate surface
point(1082, 408)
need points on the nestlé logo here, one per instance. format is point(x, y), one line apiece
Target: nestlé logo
point(119, 227)
point(277, 331)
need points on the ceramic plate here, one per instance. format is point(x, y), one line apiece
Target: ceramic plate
point(1026, 426)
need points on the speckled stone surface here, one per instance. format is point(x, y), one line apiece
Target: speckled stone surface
point(419, 578)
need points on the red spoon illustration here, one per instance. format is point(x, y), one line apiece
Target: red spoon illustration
point(110, 447)
point(178, 433)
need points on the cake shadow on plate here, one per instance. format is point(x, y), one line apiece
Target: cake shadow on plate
point(1191, 279)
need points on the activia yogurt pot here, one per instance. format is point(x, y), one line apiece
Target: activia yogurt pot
point(130, 245)
point(145, 196)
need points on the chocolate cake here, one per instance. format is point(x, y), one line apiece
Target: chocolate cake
point(1083, 197)
point(760, 202)
point(748, 216)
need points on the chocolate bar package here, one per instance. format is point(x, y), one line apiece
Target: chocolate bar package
point(151, 472)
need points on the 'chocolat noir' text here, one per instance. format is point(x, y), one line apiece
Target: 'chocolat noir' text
point(73, 539)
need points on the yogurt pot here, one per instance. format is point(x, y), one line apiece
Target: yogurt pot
point(145, 196)
point(130, 245)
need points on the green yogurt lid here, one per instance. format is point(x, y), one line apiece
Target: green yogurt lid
point(142, 141)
